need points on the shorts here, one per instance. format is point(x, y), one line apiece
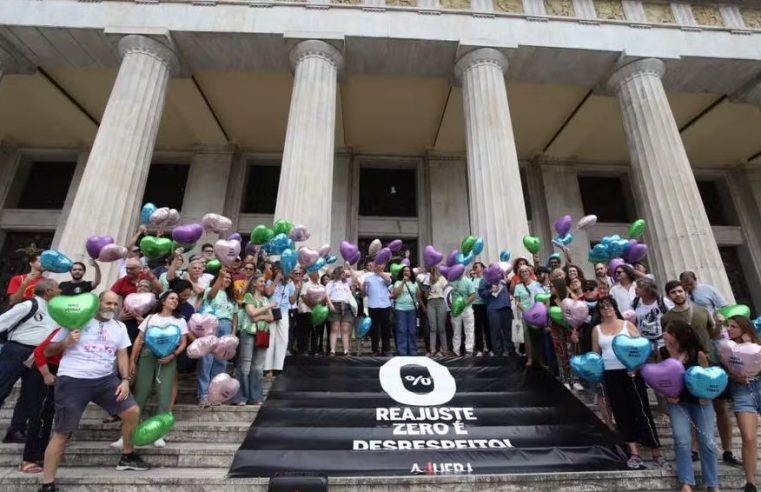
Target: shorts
point(73, 394)
point(746, 397)
point(342, 313)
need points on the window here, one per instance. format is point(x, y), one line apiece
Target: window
point(606, 198)
point(715, 203)
point(166, 185)
point(260, 190)
point(387, 192)
point(41, 185)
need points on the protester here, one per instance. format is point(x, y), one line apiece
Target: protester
point(199, 280)
point(601, 274)
point(575, 288)
point(283, 293)
point(703, 295)
point(559, 292)
point(375, 287)
point(481, 323)
point(406, 298)
point(128, 284)
point(304, 329)
point(623, 291)
point(21, 287)
point(251, 355)
point(591, 296)
point(500, 313)
point(437, 313)
point(649, 307)
point(78, 286)
point(525, 294)
point(133, 250)
point(464, 289)
point(339, 297)
point(86, 374)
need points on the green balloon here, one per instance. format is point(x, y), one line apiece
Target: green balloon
point(261, 234)
point(458, 305)
point(542, 297)
point(735, 310)
point(319, 315)
point(396, 270)
point(556, 315)
point(467, 245)
point(152, 429)
point(532, 244)
point(73, 312)
point(213, 266)
point(281, 226)
point(154, 247)
point(637, 228)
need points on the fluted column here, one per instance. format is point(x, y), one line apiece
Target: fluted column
point(113, 182)
point(497, 209)
point(305, 194)
point(679, 234)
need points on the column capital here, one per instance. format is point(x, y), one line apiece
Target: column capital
point(135, 43)
point(316, 48)
point(481, 56)
point(651, 66)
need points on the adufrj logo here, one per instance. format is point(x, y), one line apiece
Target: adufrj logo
point(417, 381)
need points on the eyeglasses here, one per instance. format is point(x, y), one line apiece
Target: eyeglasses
point(248, 269)
point(619, 272)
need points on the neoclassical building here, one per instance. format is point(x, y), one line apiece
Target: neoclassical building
point(424, 120)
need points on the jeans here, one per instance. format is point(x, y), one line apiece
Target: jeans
point(250, 369)
point(459, 323)
point(683, 416)
point(208, 366)
point(406, 331)
point(437, 320)
point(501, 329)
point(12, 368)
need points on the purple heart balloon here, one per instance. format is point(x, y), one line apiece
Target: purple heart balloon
point(628, 247)
point(637, 252)
point(250, 248)
point(383, 256)
point(405, 261)
point(354, 259)
point(96, 243)
point(666, 377)
point(452, 257)
point(431, 257)
point(563, 225)
point(612, 265)
point(187, 234)
point(347, 250)
point(493, 274)
point(444, 270)
point(395, 245)
point(234, 237)
point(455, 272)
point(536, 315)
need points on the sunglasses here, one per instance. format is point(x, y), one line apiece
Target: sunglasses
point(589, 289)
point(249, 269)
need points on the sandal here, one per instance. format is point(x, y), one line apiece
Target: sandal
point(29, 467)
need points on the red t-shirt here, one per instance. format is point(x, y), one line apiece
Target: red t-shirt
point(16, 282)
point(124, 286)
point(39, 353)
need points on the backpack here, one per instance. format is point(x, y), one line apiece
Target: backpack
point(661, 304)
point(4, 335)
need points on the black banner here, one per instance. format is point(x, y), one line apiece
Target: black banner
point(415, 415)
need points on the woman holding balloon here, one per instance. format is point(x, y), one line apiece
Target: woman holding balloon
point(525, 291)
point(258, 316)
point(406, 297)
point(558, 293)
point(283, 293)
point(339, 291)
point(437, 313)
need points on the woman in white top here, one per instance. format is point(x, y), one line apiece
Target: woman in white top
point(340, 293)
point(623, 290)
point(437, 312)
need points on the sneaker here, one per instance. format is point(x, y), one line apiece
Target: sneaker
point(491, 354)
point(479, 354)
point(749, 487)
point(439, 354)
point(577, 386)
point(729, 459)
point(48, 487)
point(661, 463)
point(203, 402)
point(567, 386)
point(118, 444)
point(161, 443)
point(456, 354)
point(132, 462)
point(635, 462)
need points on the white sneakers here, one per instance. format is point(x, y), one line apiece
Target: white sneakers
point(119, 444)
point(159, 443)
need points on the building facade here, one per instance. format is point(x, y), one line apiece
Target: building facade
point(425, 120)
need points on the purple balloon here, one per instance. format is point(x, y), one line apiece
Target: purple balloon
point(405, 261)
point(431, 257)
point(665, 377)
point(637, 252)
point(348, 250)
point(444, 270)
point(187, 234)
point(96, 243)
point(250, 248)
point(628, 247)
point(536, 315)
point(455, 272)
point(612, 265)
point(563, 225)
point(452, 257)
point(383, 256)
point(493, 274)
point(395, 245)
point(234, 237)
point(354, 259)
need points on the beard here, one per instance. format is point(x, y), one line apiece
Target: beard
point(106, 314)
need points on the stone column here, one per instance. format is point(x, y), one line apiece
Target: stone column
point(111, 190)
point(305, 194)
point(497, 209)
point(678, 233)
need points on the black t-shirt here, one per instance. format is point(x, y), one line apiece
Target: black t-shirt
point(74, 288)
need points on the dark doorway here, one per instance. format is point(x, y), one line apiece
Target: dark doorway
point(407, 244)
point(14, 256)
point(731, 258)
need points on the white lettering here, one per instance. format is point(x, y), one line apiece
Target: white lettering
point(459, 428)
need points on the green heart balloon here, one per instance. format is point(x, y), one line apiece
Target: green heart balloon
point(152, 429)
point(154, 247)
point(467, 245)
point(281, 226)
point(532, 244)
point(735, 310)
point(166, 418)
point(542, 297)
point(261, 234)
point(556, 315)
point(319, 315)
point(458, 305)
point(73, 312)
point(396, 270)
point(637, 228)
point(213, 266)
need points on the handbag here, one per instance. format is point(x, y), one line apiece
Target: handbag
point(277, 313)
point(262, 338)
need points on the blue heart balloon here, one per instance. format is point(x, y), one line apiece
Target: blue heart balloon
point(706, 382)
point(55, 261)
point(145, 213)
point(589, 367)
point(364, 326)
point(478, 247)
point(631, 351)
point(288, 260)
point(464, 259)
point(504, 255)
point(565, 239)
point(279, 243)
point(316, 265)
point(757, 325)
point(162, 340)
point(331, 259)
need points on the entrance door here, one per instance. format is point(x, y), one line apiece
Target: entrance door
point(731, 259)
point(14, 255)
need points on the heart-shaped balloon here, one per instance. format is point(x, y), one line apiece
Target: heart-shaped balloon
point(112, 252)
point(261, 234)
point(324, 250)
point(563, 225)
point(636, 252)
point(146, 212)
point(299, 233)
point(575, 312)
point(733, 310)
point(458, 305)
point(222, 388)
point(279, 243)
point(506, 266)
point(452, 258)
point(187, 234)
point(467, 244)
point(354, 259)
point(542, 297)
point(226, 347)
point(405, 262)
point(631, 351)
point(586, 222)
point(463, 259)
point(172, 219)
point(154, 247)
point(396, 270)
point(316, 293)
point(375, 246)
point(55, 261)
point(637, 228)
point(162, 340)
point(316, 266)
point(478, 247)
point(563, 240)
point(202, 325)
point(152, 429)
point(364, 326)
point(288, 261)
point(202, 346)
point(218, 224)
point(227, 251)
point(665, 377)
point(382, 257)
point(213, 266)
point(159, 216)
point(556, 315)
point(532, 244)
point(329, 260)
point(140, 303)
point(504, 255)
point(493, 274)
point(599, 253)
point(73, 312)
point(536, 315)
point(235, 236)
point(455, 272)
point(395, 246)
point(706, 382)
point(613, 264)
point(347, 250)
point(630, 316)
point(431, 257)
point(742, 359)
point(95, 244)
point(307, 256)
point(319, 315)
point(589, 367)
point(282, 226)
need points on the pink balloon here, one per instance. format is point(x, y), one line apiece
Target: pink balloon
point(299, 233)
point(112, 252)
point(172, 219)
point(140, 303)
point(666, 377)
point(375, 246)
point(307, 256)
point(431, 257)
point(227, 251)
point(324, 250)
point(348, 250)
point(202, 325)
point(383, 256)
point(226, 347)
point(159, 216)
point(630, 316)
point(506, 266)
point(452, 257)
point(586, 222)
point(316, 293)
point(742, 359)
point(202, 346)
point(563, 225)
point(222, 388)
point(216, 223)
point(95, 244)
point(575, 312)
point(536, 315)
point(395, 245)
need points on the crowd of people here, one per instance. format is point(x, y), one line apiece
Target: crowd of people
point(414, 311)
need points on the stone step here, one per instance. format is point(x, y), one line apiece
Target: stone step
point(182, 412)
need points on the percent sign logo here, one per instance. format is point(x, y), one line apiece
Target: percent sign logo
point(418, 380)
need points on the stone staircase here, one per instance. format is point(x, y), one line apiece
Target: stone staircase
point(201, 446)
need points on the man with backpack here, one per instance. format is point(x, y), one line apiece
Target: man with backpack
point(649, 307)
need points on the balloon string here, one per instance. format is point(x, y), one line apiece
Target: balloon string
point(697, 428)
point(157, 374)
point(644, 413)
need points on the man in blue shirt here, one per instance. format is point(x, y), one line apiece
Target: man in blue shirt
point(500, 314)
point(375, 287)
point(703, 295)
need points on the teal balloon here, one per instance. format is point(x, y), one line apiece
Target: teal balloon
point(55, 261)
point(288, 260)
point(145, 213)
point(706, 382)
point(364, 326)
point(631, 351)
point(331, 259)
point(162, 340)
point(589, 367)
point(279, 243)
point(316, 265)
point(464, 259)
point(504, 255)
point(478, 247)
point(152, 429)
point(565, 239)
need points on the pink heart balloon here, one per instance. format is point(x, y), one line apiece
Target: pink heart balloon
point(202, 325)
point(383, 256)
point(307, 256)
point(324, 250)
point(375, 246)
point(172, 219)
point(506, 266)
point(95, 244)
point(159, 216)
point(575, 312)
point(216, 223)
point(316, 293)
point(112, 252)
point(226, 347)
point(536, 315)
point(742, 359)
point(140, 303)
point(299, 233)
point(222, 388)
point(227, 251)
point(630, 316)
point(666, 377)
point(202, 346)
point(586, 222)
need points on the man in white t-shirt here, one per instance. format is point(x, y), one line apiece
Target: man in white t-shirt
point(649, 307)
point(86, 374)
